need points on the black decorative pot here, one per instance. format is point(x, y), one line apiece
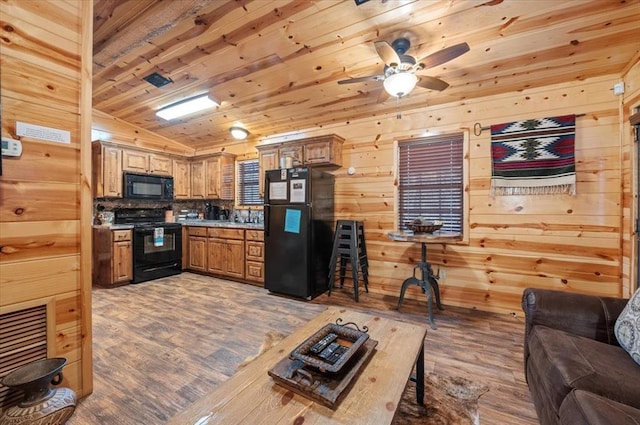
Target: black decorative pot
point(41, 405)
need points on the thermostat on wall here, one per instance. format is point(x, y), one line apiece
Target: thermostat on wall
point(11, 147)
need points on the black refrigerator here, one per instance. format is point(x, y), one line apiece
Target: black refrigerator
point(298, 236)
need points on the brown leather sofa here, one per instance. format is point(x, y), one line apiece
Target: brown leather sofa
point(576, 371)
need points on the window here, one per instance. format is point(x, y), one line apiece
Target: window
point(248, 177)
point(430, 180)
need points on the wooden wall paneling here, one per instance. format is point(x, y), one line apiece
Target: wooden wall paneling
point(45, 193)
point(38, 239)
point(85, 334)
point(557, 241)
point(28, 201)
point(43, 278)
point(108, 128)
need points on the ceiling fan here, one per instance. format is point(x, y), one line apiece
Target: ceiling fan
point(399, 74)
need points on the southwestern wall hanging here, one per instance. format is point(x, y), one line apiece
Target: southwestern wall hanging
point(534, 157)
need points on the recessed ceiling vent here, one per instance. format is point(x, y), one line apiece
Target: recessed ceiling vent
point(157, 80)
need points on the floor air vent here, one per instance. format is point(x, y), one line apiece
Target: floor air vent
point(23, 339)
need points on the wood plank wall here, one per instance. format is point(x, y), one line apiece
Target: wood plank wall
point(45, 193)
point(579, 243)
point(630, 157)
point(572, 243)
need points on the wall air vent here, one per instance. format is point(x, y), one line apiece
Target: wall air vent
point(23, 339)
point(157, 80)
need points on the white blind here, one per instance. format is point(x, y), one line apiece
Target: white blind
point(430, 180)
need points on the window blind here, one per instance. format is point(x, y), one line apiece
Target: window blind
point(248, 178)
point(430, 180)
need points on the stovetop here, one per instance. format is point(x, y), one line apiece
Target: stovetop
point(139, 217)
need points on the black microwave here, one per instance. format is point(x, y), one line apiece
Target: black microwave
point(147, 186)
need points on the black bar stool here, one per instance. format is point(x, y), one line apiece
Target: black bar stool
point(349, 247)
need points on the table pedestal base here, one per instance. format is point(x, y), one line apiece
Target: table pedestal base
point(428, 283)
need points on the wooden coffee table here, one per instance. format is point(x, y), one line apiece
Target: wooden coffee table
point(252, 397)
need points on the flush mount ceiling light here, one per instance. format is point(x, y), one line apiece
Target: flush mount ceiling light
point(186, 107)
point(400, 84)
point(238, 133)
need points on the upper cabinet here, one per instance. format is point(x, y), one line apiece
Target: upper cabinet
point(181, 179)
point(213, 177)
point(146, 163)
point(204, 177)
point(314, 151)
point(106, 171)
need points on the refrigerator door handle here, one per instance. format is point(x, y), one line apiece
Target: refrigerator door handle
point(266, 220)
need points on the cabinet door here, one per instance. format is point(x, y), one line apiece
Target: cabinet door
point(181, 179)
point(160, 165)
point(198, 253)
point(317, 153)
point(213, 181)
point(217, 255)
point(137, 162)
point(255, 271)
point(268, 160)
point(197, 179)
point(122, 262)
point(294, 152)
point(227, 178)
point(255, 251)
point(112, 172)
point(235, 258)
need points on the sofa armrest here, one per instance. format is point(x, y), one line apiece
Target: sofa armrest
point(579, 314)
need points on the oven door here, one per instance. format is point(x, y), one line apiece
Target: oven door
point(157, 251)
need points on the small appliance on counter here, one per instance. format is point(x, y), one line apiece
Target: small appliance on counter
point(211, 212)
point(223, 215)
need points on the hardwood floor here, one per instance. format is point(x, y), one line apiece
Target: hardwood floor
point(160, 345)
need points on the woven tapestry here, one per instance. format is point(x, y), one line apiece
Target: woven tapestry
point(534, 157)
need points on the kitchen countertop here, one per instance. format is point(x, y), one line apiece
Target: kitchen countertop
point(222, 223)
point(196, 223)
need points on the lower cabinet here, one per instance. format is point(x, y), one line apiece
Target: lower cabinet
point(254, 250)
point(227, 252)
point(112, 256)
point(197, 252)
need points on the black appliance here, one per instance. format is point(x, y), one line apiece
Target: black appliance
point(298, 224)
point(211, 212)
point(147, 186)
point(157, 246)
point(223, 215)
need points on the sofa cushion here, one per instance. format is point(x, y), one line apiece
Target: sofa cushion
point(627, 328)
point(585, 408)
point(565, 361)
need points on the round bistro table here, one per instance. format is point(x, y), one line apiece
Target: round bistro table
point(428, 281)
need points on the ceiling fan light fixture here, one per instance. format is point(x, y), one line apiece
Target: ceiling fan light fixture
point(238, 133)
point(186, 107)
point(400, 84)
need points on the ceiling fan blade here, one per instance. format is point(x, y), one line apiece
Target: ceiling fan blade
point(431, 83)
point(386, 52)
point(444, 55)
point(361, 79)
point(383, 96)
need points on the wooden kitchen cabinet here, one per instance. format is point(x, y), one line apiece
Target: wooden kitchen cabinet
point(112, 256)
point(314, 151)
point(107, 171)
point(181, 179)
point(146, 163)
point(197, 179)
point(254, 251)
point(197, 248)
point(220, 177)
point(226, 252)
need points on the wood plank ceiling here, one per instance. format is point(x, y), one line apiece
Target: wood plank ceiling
point(274, 65)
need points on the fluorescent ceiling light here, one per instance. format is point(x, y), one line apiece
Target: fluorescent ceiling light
point(400, 84)
point(186, 107)
point(238, 132)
